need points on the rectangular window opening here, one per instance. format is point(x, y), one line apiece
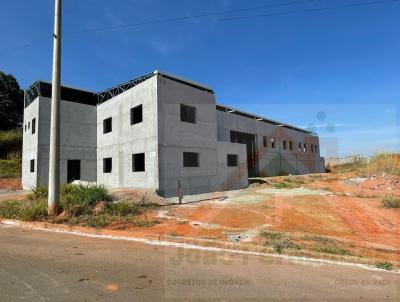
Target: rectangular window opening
point(136, 115)
point(265, 141)
point(232, 160)
point(316, 149)
point(304, 148)
point(34, 126)
point(107, 125)
point(138, 162)
point(284, 145)
point(291, 145)
point(32, 166)
point(190, 159)
point(188, 114)
point(312, 148)
point(272, 142)
point(107, 165)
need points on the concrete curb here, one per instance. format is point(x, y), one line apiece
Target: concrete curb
point(304, 260)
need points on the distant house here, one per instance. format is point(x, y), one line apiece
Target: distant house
point(156, 130)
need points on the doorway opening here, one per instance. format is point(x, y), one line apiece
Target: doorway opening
point(73, 170)
point(251, 144)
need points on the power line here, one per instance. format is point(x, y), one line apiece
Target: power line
point(177, 19)
point(169, 20)
point(313, 10)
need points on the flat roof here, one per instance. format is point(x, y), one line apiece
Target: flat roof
point(77, 95)
point(236, 111)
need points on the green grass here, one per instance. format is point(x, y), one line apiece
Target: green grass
point(25, 211)
point(279, 241)
point(384, 265)
point(391, 202)
point(326, 245)
point(10, 168)
point(10, 144)
point(79, 205)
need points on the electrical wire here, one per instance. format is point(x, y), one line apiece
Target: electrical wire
point(220, 13)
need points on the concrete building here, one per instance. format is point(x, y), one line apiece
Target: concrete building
point(155, 131)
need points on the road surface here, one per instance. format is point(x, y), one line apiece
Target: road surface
point(45, 266)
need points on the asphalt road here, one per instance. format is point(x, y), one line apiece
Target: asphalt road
point(45, 266)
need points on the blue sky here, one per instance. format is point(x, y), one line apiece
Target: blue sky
point(335, 71)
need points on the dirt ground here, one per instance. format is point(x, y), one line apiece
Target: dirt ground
point(10, 184)
point(335, 216)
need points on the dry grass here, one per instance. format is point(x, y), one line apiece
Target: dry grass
point(384, 162)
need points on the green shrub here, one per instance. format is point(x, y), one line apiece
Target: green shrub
point(38, 193)
point(384, 265)
point(10, 144)
point(391, 202)
point(10, 168)
point(80, 199)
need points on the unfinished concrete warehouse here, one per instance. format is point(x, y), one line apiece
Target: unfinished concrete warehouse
point(155, 131)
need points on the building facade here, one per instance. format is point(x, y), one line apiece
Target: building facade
point(157, 131)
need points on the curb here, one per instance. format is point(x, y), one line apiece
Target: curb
point(32, 226)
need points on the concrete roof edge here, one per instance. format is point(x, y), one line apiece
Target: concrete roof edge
point(183, 79)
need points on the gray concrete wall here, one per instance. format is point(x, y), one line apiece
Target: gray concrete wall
point(231, 178)
point(273, 161)
point(77, 139)
point(126, 139)
point(30, 146)
point(176, 137)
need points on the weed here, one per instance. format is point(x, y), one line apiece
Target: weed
point(26, 211)
point(122, 208)
point(79, 202)
point(282, 185)
point(295, 180)
point(384, 265)
point(279, 241)
point(391, 202)
point(331, 249)
point(321, 239)
point(384, 162)
point(38, 193)
point(96, 221)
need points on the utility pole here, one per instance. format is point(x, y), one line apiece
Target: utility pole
point(54, 156)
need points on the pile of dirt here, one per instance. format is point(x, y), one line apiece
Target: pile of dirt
point(382, 182)
point(138, 196)
point(10, 184)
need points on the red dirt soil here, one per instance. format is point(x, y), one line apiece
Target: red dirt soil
point(10, 184)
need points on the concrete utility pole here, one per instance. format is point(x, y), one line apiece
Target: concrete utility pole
point(54, 156)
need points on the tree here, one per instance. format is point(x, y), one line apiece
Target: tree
point(11, 102)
